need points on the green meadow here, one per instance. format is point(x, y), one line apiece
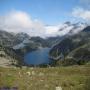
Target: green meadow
point(68, 78)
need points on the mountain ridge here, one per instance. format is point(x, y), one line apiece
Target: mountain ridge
point(76, 47)
point(21, 43)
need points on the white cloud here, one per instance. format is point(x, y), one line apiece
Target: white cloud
point(52, 29)
point(17, 21)
point(58, 30)
point(81, 13)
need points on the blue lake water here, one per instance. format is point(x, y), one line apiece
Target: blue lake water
point(37, 57)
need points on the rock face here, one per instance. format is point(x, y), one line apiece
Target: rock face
point(76, 47)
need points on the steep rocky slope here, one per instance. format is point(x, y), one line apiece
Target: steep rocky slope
point(76, 47)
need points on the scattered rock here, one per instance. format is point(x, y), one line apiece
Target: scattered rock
point(28, 73)
point(33, 73)
point(58, 88)
point(41, 74)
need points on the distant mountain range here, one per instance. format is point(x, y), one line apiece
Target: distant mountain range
point(67, 28)
point(68, 39)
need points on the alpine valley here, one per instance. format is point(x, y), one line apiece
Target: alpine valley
point(69, 45)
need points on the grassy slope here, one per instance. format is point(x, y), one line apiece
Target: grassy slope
point(69, 78)
point(86, 46)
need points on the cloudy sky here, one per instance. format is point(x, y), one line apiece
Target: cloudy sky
point(37, 17)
